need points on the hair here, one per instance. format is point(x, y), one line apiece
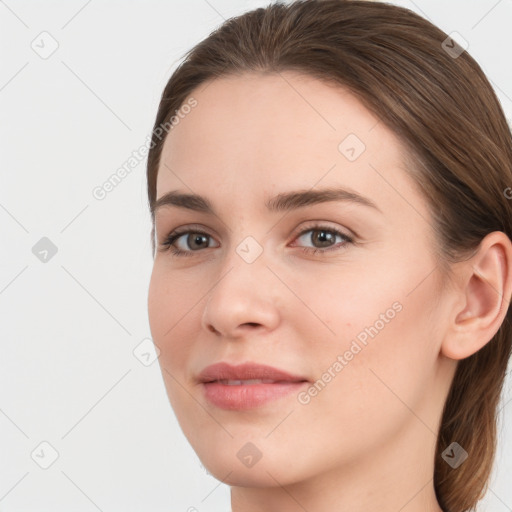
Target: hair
point(458, 151)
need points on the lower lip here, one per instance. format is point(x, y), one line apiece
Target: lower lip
point(249, 396)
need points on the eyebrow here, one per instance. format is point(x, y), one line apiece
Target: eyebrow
point(282, 202)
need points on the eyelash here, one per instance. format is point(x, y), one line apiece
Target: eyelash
point(171, 238)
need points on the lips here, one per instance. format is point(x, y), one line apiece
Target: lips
point(246, 374)
point(247, 386)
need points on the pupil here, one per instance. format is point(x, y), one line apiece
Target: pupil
point(197, 239)
point(324, 236)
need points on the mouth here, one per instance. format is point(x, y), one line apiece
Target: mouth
point(249, 372)
point(250, 382)
point(247, 386)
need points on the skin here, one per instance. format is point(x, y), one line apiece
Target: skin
point(367, 440)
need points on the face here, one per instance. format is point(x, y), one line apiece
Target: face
point(339, 291)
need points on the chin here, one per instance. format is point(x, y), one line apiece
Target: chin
point(232, 464)
point(260, 475)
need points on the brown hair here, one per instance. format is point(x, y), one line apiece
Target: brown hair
point(459, 151)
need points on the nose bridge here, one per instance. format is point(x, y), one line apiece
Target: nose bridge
point(243, 267)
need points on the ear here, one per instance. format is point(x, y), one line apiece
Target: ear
point(484, 288)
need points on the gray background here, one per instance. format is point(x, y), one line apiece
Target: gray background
point(75, 354)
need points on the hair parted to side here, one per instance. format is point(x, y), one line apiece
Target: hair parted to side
point(459, 152)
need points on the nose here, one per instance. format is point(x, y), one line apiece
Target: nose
point(242, 300)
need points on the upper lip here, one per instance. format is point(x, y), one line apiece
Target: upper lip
point(246, 371)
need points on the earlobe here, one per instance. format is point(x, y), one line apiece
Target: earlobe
point(486, 286)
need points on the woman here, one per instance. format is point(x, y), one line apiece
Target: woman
point(332, 259)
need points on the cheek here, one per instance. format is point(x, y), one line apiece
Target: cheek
point(169, 311)
point(379, 319)
point(159, 306)
point(169, 306)
point(367, 301)
point(341, 303)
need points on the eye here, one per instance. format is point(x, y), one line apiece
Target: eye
point(193, 240)
point(325, 238)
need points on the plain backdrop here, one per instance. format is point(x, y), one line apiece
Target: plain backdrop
point(85, 423)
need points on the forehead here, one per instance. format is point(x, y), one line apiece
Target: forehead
point(275, 130)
